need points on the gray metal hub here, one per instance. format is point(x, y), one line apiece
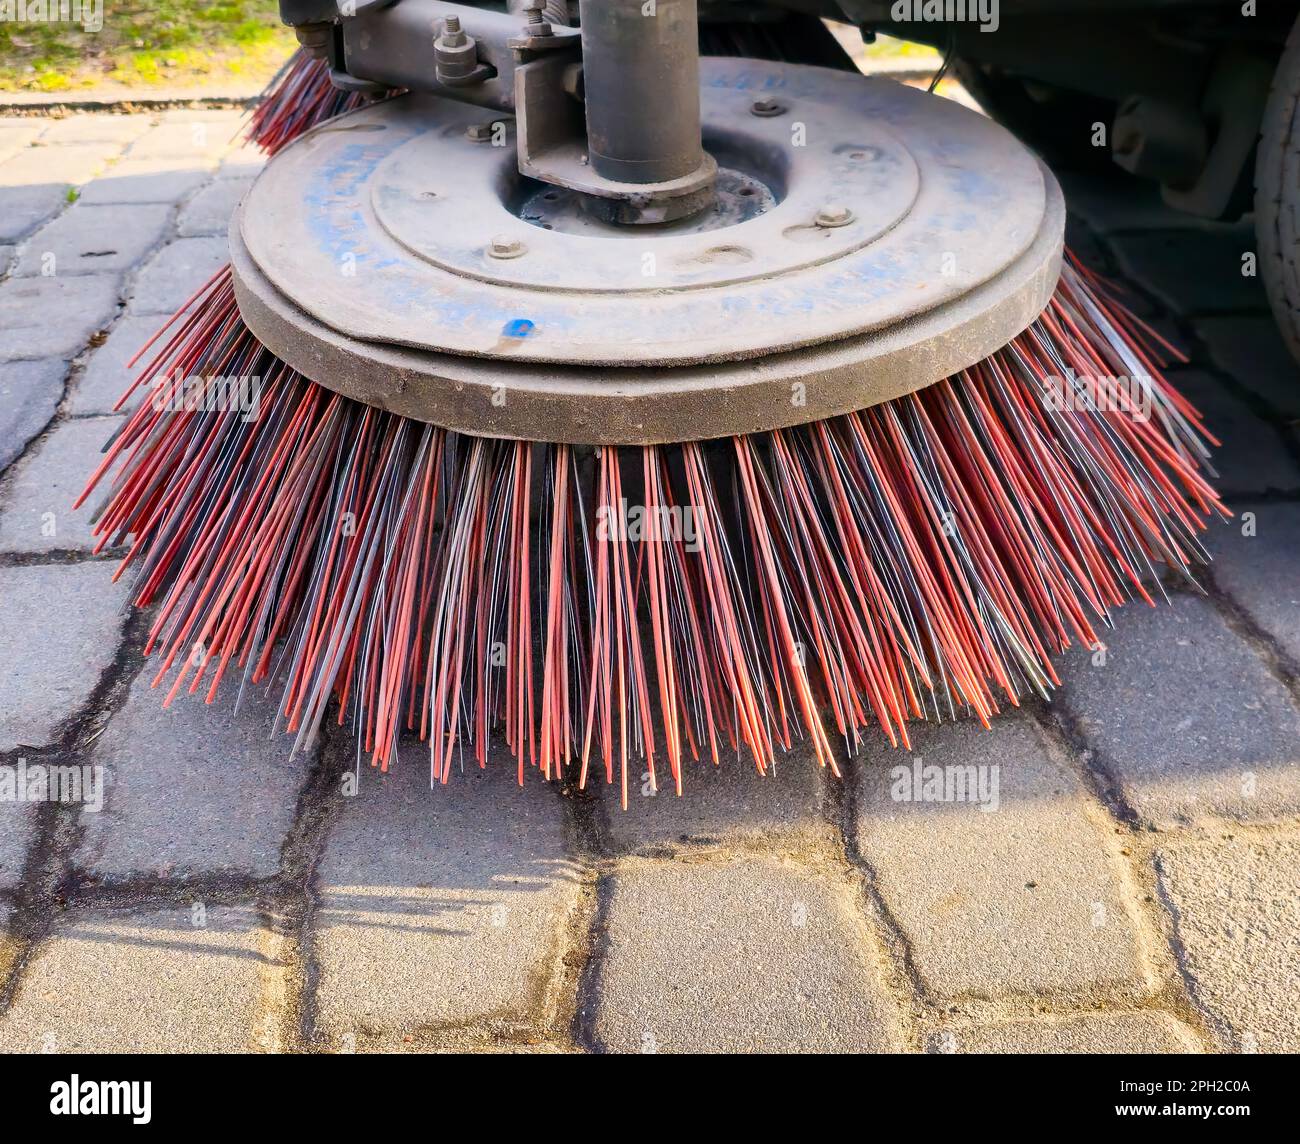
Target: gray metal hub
point(884, 239)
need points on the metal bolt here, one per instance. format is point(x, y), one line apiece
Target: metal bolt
point(479, 132)
point(503, 246)
point(765, 107)
point(833, 215)
point(452, 36)
point(538, 25)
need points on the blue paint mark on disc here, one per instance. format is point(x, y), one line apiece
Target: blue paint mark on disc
point(518, 328)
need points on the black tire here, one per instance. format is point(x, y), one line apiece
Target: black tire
point(1277, 194)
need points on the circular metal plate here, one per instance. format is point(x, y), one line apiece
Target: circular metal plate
point(379, 226)
point(498, 397)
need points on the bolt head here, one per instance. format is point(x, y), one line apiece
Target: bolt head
point(765, 107)
point(479, 132)
point(503, 246)
point(833, 215)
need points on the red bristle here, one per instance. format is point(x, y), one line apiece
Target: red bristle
point(916, 559)
point(299, 97)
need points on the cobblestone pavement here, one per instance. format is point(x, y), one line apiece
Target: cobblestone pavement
point(1135, 887)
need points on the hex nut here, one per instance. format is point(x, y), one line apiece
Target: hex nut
point(503, 246)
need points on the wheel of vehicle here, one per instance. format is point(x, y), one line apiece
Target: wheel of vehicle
point(1277, 194)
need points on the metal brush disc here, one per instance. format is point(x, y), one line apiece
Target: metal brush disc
point(869, 240)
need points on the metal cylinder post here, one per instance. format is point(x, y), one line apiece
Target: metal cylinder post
point(641, 66)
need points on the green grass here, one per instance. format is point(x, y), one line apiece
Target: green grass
point(147, 44)
point(887, 47)
point(183, 43)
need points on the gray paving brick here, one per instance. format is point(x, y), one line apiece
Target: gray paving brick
point(29, 394)
point(723, 803)
point(226, 118)
point(175, 272)
point(739, 954)
point(1250, 348)
point(193, 787)
point(1252, 457)
point(1236, 912)
point(15, 136)
point(1028, 900)
point(1193, 271)
point(1085, 245)
point(1260, 571)
point(204, 136)
point(440, 907)
point(65, 166)
point(36, 495)
point(245, 161)
point(1187, 717)
point(153, 983)
point(147, 181)
point(1146, 1032)
point(91, 239)
point(24, 208)
point(54, 317)
point(17, 827)
point(95, 128)
point(106, 375)
point(1112, 203)
point(210, 210)
point(59, 629)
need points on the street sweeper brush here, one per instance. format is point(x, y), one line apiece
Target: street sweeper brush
point(632, 443)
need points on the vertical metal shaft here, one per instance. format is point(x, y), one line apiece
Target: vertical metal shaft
point(641, 70)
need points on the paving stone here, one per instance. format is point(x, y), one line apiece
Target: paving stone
point(1112, 203)
point(1252, 457)
point(147, 181)
point(1236, 909)
point(176, 272)
point(23, 209)
point(91, 239)
point(1028, 900)
point(17, 827)
point(1260, 572)
point(106, 375)
point(1194, 271)
point(15, 136)
point(95, 128)
point(59, 629)
point(1187, 717)
point(1084, 1033)
point(36, 495)
point(1250, 348)
point(107, 983)
point(193, 787)
point(1085, 245)
point(723, 803)
point(739, 954)
point(63, 167)
point(227, 122)
point(210, 210)
point(440, 907)
point(54, 317)
point(29, 394)
point(244, 162)
point(203, 136)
